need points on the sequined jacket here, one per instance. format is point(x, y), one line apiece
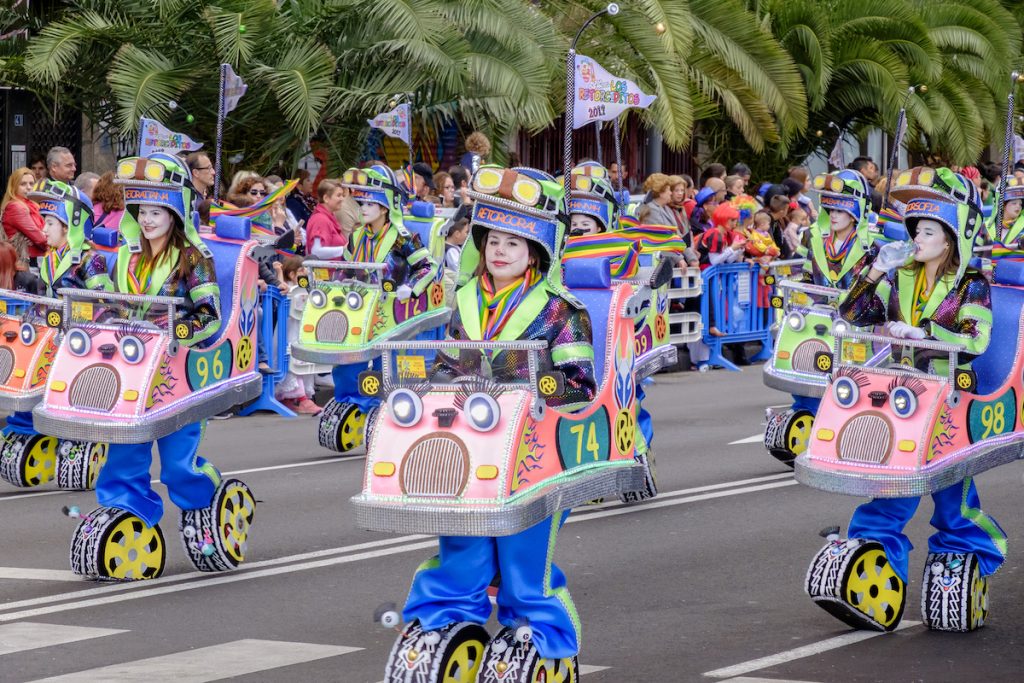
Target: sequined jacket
point(406, 261)
point(959, 313)
point(840, 275)
point(89, 273)
point(199, 288)
point(565, 328)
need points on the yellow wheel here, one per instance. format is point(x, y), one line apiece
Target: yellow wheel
point(244, 355)
point(554, 671)
point(237, 509)
point(97, 459)
point(39, 460)
point(872, 587)
point(463, 660)
point(798, 432)
point(979, 599)
point(625, 431)
point(351, 432)
point(131, 550)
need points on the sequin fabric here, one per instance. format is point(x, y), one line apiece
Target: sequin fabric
point(820, 277)
point(561, 325)
point(90, 273)
point(408, 262)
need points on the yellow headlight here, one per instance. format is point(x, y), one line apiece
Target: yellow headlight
point(819, 182)
point(926, 176)
point(361, 177)
point(487, 180)
point(154, 171)
point(583, 183)
point(349, 176)
point(527, 190)
point(903, 178)
point(126, 168)
point(836, 185)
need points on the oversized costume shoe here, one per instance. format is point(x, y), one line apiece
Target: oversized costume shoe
point(954, 594)
point(112, 544)
point(216, 536)
point(787, 433)
point(512, 658)
point(27, 459)
point(650, 487)
point(79, 464)
point(452, 654)
point(852, 580)
point(342, 426)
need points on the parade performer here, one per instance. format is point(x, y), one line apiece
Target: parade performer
point(1010, 244)
point(70, 262)
point(937, 296)
point(592, 204)
point(164, 256)
point(515, 293)
point(840, 240)
point(408, 271)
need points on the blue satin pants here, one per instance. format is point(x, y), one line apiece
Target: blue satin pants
point(452, 586)
point(20, 423)
point(346, 385)
point(961, 527)
point(191, 481)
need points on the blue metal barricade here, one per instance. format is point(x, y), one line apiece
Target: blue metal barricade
point(273, 342)
point(730, 304)
point(12, 306)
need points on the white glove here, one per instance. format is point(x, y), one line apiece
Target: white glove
point(403, 292)
point(893, 255)
point(904, 331)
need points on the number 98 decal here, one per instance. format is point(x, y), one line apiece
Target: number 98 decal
point(207, 367)
point(986, 419)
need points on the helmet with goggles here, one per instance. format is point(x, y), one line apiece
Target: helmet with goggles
point(71, 207)
point(591, 194)
point(375, 185)
point(523, 202)
point(848, 192)
point(941, 195)
point(158, 180)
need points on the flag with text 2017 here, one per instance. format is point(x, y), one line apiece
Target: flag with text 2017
point(601, 96)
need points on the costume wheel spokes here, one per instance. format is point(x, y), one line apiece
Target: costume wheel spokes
point(954, 594)
point(341, 426)
point(852, 580)
point(216, 537)
point(509, 659)
point(448, 655)
point(786, 434)
point(79, 464)
point(112, 544)
point(28, 459)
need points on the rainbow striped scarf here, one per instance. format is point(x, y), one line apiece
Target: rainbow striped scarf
point(368, 249)
point(140, 275)
point(654, 237)
point(53, 260)
point(623, 252)
point(257, 212)
point(497, 308)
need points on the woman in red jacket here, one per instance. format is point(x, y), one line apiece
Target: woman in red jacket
point(23, 224)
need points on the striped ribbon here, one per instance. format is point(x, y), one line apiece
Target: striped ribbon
point(889, 215)
point(623, 252)
point(921, 296)
point(497, 308)
point(53, 259)
point(140, 273)
point(368, 249)
point(257, 209)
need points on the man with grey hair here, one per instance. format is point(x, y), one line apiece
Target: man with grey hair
point(60, 164)
point(86, 183)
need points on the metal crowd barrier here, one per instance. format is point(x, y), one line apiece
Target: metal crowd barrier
point(684, 326)
point(730, 304)
point(273, 346)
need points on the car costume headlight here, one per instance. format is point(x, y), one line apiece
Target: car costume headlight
point(405, 407)
point(482, 412)
point(78, 342)
point(318, 298)
point(354, 300)
point(28, 334)
point(903, 402)
point(845, 391)
point(796, 321)
point(132, 349)
point(840, 327)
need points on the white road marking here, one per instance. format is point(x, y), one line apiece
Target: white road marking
point(756, 438)
point(269, 468)
point(584, 670)
point(213, 663)
point(801, 652)
point(30, 635)
point(30, 574)
point(747, 679)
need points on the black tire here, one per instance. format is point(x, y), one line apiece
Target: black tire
point(786, 435)
point(109, 534)
point(224, 537)
point(28, 460)
point(79, 464)
point(452, 654)
point(852, 580)
point(341, 427)
point(954, 594)
point(509, 661)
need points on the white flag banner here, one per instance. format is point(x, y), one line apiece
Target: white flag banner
point(838, 157)
point(156, 137)
point(600, 96)
point(394, 123)
point(234, 88)
point(1018, 152)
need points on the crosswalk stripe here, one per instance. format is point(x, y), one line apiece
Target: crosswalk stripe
point(30, 574)
point(28, 635)
point(213, 663)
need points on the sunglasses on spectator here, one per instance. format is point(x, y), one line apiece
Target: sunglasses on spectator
point(203, 168)
point(258, 193)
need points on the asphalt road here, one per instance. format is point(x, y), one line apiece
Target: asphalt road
point(702, 584)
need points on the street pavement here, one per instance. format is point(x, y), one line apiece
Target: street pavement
point(705, 583)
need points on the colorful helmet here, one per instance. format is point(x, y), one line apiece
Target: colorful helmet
point(944, 196)
point(592, 195)
point(161, 180)
point(377, 185)
point(846, 191)
point(1014, 188)
point(520, 201)
point(68, 205)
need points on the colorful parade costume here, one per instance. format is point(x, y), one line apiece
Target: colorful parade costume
point(810, 314)
point(495, 476)
point(914, 428)
point(173, 346)
point(1009, 242)
point(28, 458)
point(401, 285)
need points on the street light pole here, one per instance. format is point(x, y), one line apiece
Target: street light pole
point(1015, 78)
point(570, 87)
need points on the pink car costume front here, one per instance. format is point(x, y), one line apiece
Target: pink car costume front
point(148, 384)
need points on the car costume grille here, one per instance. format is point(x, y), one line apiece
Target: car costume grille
point(6, 364)
point(867, 438)
point(332, 327)
point(95, 388)
point(436, 465)
point(803, 357)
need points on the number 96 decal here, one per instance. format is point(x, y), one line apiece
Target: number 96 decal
point(206, 367)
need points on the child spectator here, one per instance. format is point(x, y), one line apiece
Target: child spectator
point(296, 389)
point(453, 242)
